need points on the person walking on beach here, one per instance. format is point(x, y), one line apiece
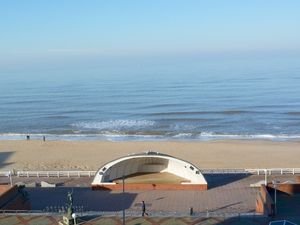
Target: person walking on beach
point(144, 209)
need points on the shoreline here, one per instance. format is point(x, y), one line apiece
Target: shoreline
point(90, 155)
point(203, 137)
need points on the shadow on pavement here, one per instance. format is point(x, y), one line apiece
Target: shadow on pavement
point(217, 180)
point(42, 198)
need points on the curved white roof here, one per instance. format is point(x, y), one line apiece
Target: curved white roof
point(148, 162)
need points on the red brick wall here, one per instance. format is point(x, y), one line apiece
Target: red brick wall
point(8, 193)
point(287, 188)
point(259, 204)
point(11, 198)
point(4, 188)
point(264, 203)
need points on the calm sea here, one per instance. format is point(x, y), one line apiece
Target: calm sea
point(162, 100)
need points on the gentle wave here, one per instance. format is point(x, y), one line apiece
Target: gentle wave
point(225, 112)
point(59, 117)
point(250, 136)
point(293, 113)
point(162, 106)
point(114, 124)
point(191, 103)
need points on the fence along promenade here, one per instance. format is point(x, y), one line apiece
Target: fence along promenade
point(79, 173)
point(57, 211)
point(91, 173)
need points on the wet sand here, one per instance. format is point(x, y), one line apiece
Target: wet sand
point(90, 155)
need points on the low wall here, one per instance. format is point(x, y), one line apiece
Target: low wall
point(12, 199)
point(199, 187)
point(287, 188)
point(7, 194)
point(264, 203)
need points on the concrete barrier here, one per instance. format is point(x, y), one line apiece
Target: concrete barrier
point(45, 184)
point(31, 184)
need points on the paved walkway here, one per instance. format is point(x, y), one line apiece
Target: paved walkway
point(227, 193)
point(52, 220)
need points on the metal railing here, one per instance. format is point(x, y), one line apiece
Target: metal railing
point(5, 173)
point(269, 171)
point(136, 213)
point(223, 171)
point(55, 173)
point(274, 171)
point(83, 173)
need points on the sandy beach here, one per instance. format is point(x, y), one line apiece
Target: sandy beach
point(90, 155)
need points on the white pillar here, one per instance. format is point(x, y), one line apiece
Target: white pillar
point(10, 178)
point(266, 179)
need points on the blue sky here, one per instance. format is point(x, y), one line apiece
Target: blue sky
point(56, 30)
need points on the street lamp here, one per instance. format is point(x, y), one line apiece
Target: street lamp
point(274, 182)
point(123, 197)
point(74, 217)
point(9, 175)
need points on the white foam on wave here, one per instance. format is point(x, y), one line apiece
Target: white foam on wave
point(183, 135)
point(213, 135)
point(114, 124)
point(120, 136)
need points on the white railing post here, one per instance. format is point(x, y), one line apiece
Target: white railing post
point(266, 174)
point(10, 178)
point(78, 173)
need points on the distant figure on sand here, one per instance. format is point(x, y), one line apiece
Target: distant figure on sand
point(144, 209)
point(27, 137)
point(44, 138)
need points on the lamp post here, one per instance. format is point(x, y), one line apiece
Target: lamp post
point(9, 174)
point(74, 217)
point(123, 179)
point(275, 195)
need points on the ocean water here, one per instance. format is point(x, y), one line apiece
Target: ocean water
point(168, 100)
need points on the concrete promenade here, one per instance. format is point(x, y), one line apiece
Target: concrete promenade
point(53, 220)
point(227, 193)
